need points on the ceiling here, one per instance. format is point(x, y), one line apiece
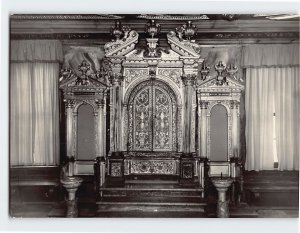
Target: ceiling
point(211, 28)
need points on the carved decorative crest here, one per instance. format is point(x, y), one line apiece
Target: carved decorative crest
point(87, 80)
point(181, 46)
point(124, 43)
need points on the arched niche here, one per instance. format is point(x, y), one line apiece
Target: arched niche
point(218, 133)
point(85, 133)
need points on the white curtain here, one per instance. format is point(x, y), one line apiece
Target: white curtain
point(34, 114)
point(20, 114)
point(34, 119)
point(259, 115)
point(268, 90)
point(287, 101)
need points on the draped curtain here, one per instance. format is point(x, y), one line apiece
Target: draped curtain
point(272, 86)
point(34, 118)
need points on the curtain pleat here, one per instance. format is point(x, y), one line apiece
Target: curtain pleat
point(21, 114)
point(270, 55)
point(34, 118)
point(263, 86)
point(36, 51)
point(287, 117)
point(259, 120)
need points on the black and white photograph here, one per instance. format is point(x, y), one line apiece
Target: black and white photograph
point(153, 115)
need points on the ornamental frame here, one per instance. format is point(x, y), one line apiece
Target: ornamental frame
point(128, 117)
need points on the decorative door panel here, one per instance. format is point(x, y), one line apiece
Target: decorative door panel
point(162, 122)
point(142, 127)
point(152, 117)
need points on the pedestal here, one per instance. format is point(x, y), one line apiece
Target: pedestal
point(71, 184)
point(186, 169)
point(222, 186)
point(116, 167)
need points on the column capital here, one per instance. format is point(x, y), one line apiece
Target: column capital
point(69, 103)
point(234, 104)
point(116, 79)
point(203, 104)
point(189, 79)
point(100, 103)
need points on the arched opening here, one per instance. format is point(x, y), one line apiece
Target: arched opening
point(152, 112)
point(218, 133)
point(85, 133)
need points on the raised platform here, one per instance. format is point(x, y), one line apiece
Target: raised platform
point(151, 199)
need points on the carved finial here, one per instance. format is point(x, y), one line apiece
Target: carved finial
point(65, 73)
point(83, 68)
point(103, 74)
point(204, 71)
point(221, 79)
point(117, 30)
point(152, 28)
point(232, 71)
point(186, 31)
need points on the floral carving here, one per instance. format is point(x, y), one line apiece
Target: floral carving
point(152, 118)
point(132, 74)
point(153, 167)
point(173, 74)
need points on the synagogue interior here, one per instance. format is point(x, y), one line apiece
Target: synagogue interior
point(154, 115)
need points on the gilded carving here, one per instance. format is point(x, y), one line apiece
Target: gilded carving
point(123, 45)
point(116, 169)
point(173, 74)
point(132, 74)
point(167, 167)
point(152, 118)
point(183, 47)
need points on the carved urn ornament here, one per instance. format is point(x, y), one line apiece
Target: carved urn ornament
point(152, 29)
point(186, 31)
point(66, 73)
point(232, 72)
point(221, 78)
point(83, 68)
point(117, 30)
point(204, 71)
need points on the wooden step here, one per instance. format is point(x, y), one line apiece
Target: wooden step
point(148, 209)
point(151, 198)
point(151, 190)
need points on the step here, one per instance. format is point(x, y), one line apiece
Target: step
point(146, 209)
point(151, 189)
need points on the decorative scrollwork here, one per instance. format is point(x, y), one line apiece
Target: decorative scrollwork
point(166, 167)
point(173, 74)
point(152, 117)
point(132, 74)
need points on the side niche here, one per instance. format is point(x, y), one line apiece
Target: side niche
point(86, 140)
point(219, 121)
point(84, 96)
point(218, 133)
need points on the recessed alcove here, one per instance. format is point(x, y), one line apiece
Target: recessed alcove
point(219, 133)
point(85, 133)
